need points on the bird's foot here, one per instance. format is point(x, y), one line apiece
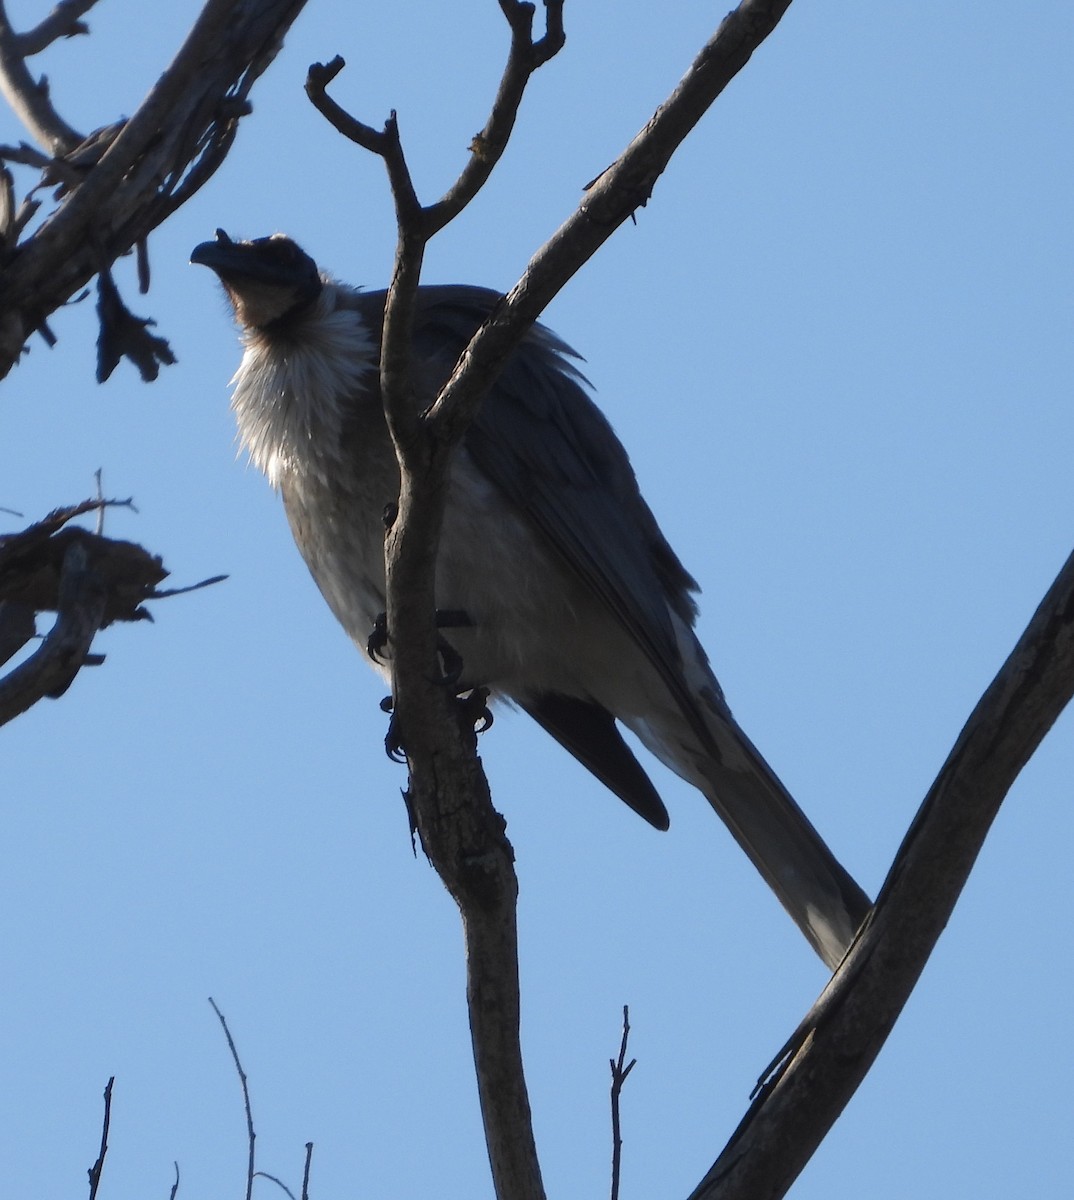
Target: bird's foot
point(450, 660)
point(378, 637)
point(473, 712)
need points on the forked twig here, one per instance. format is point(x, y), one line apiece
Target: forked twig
point(619, 1077)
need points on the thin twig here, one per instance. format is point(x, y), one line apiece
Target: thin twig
point(277, 1181)
point(306, 1172)
point(164, 593)
point(250, 1134)
point(98, 1166)
point(175, 1186)
point(619, 1077)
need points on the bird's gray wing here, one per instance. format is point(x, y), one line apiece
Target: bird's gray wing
point(550, 450)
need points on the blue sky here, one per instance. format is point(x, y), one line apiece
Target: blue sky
point(837, 345)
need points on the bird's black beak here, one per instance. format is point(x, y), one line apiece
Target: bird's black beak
point(267, 279)
point(273, 261)
point(215, 254)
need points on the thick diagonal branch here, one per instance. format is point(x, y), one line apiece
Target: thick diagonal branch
point(837, 1042)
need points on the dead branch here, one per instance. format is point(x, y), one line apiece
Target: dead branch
point(251, 1136)
point(50, 670)
point(829, 1054)
point(117, 189)
point(29, 97)
point(448, 796)
point(98, 1166)
point(62, 22)
point(460, 831)
point(87, 579)
point(620, 1070)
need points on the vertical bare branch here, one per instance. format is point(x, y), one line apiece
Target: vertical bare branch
point(620, 1070)
point(448, 792)
point(461, 832)
point(98, 1166)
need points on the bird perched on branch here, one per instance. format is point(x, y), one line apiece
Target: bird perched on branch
point(576, 608)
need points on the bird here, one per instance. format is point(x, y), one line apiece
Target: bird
point(574, 607)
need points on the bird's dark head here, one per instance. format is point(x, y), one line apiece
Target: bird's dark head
point(268, 280)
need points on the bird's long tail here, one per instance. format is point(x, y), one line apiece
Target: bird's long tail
point(820, 895)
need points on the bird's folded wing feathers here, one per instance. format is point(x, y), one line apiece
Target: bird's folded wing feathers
point(541, 440)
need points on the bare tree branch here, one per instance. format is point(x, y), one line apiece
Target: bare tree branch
point(620, 1070)
point(50, 670)
point(89, 580)
point(488, 146)
point(62, 22)
point(829, 1054)
point(251, 1136)
point(98, 1166)
point(460, 831)
point(153, 163)
point(306, 1172)
point(29, 97)
point(612, 198)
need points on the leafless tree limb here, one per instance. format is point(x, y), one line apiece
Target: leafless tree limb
point(87, 579)
point(829, 1054)
point(465, 840)
point(306, 1172)
point(251, 1136)
point(98, 1166)
point(459, 829)
point(29, 97)
point(50, 670)
point(62, 22)
point(620, 1070)
point(118, 188)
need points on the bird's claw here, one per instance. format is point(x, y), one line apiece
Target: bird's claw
point(378, 637)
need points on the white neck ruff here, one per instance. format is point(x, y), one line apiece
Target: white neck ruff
point(290, 397)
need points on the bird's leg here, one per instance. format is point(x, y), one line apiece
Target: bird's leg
point(473, 705)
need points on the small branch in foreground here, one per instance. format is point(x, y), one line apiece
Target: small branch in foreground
point(619, 1077)
point(251, 1136)
point(95, 1171)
